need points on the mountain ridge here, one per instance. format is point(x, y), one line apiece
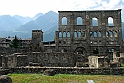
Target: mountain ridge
point(48, 22)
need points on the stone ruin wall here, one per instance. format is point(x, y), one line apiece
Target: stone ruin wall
point(52, 59)
point(109, 34)
point(38, 59)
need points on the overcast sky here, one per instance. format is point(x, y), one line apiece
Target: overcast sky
point(32, 7)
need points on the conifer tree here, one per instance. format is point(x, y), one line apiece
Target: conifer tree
point(15, 43)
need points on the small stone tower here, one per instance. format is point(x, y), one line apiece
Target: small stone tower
point(37, 36)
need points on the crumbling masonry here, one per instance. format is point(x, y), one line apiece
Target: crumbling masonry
point(81, 34)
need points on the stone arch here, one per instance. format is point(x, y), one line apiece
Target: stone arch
point(60, 34)
point(115, 34)
point(110, 21)
point(64, 21)
point(79, 33)
point(64, 34)
point(83, 34)
point(107, 34)
point(91, 34)
point(79, 21)
point(95, 34)
point(68, 34)
point(99, 34)
point(94, 21)
point(80, 50)
point(75, 34)
point(111, 33)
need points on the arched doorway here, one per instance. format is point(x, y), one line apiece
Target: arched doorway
point(80, 50)
point(81, 58)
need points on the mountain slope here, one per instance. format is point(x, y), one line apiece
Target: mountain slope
point(21, 19)
point(8, 23)
point(44, 22)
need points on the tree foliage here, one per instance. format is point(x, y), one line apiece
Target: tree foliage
point(15, 43)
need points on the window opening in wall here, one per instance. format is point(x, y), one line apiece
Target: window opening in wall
point(79, 34)
point(91, 34)
point(100, 42)
point(79, 21)
point(64, 34)
point(75, 34)
point(68, 34)
point(110, 33)
point(110, 21)
point(111, 42)
point(60, 34)
point(95, 34)
point(95, 42)
point(107, 34)
point(83, 34)
point(99, 34)
point(115, 34)
point(64, 21)
point(94, 22)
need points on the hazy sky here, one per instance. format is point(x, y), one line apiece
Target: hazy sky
point(32, 7)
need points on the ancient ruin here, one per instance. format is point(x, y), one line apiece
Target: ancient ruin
point(84, 39)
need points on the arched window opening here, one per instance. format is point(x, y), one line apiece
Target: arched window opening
point(110, 33)
point(79, 21)
point(95, 34)
point(79, 34)
point(83, 34)
point(75, 34)
point(107, 34)
point(110, 21)
point(99, 34)
point(115, 34)
point(94, 22)
point(60, 34)
point(68, 34)
point(64, 21)
point(91, 34)
point(64, 34)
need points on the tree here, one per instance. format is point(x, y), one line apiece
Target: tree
point(15, 43)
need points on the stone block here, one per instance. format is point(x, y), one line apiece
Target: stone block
point(49, 72)
point(5, 79)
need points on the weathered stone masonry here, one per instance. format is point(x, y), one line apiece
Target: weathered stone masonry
point(78, 35)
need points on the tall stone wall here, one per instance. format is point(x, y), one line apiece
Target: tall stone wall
point(104, 36)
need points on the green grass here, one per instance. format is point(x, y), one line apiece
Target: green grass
point(122, 65)
point(65, 78)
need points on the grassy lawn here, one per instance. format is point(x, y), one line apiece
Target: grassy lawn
point(65, 78)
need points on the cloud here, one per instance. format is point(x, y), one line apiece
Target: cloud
point(32, 7)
